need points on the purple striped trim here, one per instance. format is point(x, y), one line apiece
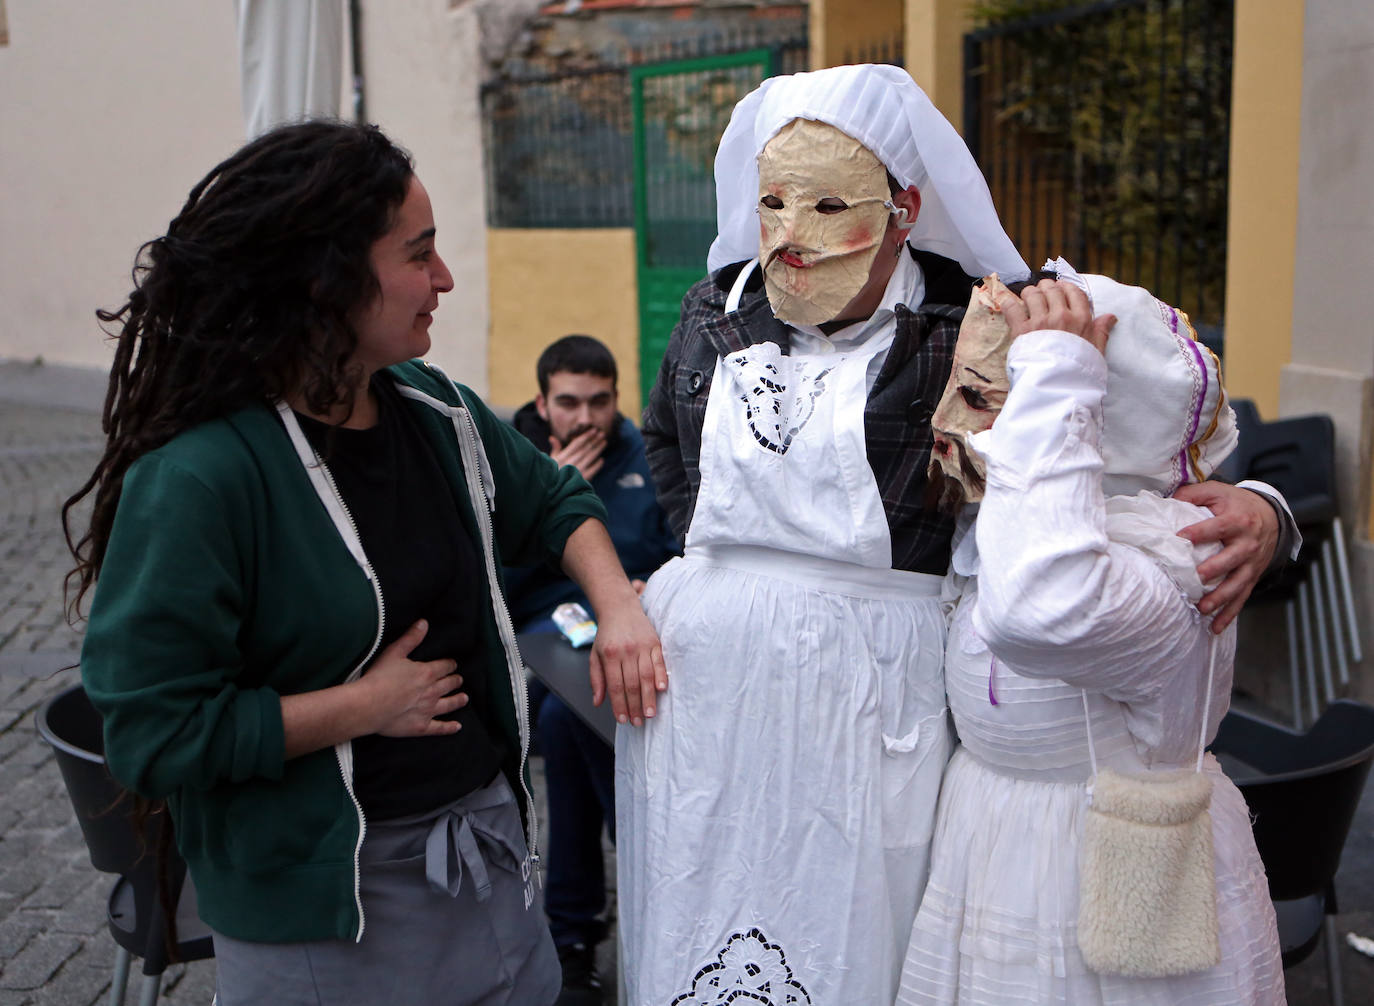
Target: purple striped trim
point(992, 670)
point(1170, 315)
point(1184, 469)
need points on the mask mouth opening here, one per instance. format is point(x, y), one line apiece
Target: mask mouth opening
point(944, 492)
point(790, 255)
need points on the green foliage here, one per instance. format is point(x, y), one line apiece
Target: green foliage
point(1127, 105)
point(987, 12)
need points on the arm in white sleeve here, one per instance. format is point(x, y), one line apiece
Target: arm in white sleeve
point(1055, 597)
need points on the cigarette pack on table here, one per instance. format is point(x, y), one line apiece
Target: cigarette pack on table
point(575, 624)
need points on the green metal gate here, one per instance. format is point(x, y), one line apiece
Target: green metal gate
point(680, 109)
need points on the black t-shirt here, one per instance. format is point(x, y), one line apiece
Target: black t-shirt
point(428, 568)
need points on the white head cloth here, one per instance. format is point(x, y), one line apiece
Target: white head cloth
point(1166, 420)
point(882, 108)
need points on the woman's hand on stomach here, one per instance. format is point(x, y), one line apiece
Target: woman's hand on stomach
point(409, 695)
point(396, 697)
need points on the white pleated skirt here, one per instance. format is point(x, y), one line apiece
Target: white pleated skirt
point(998, 923)
point(774, 819)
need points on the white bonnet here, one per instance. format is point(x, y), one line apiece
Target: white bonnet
point(882, 108)
point(1166, 420)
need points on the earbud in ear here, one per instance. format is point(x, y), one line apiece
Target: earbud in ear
point(903, 218)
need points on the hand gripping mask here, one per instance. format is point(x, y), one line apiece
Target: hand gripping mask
point(823, 211)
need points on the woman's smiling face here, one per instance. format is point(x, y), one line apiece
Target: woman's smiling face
point(394, 325)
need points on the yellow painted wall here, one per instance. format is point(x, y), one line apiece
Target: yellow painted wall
point(544, 284)
point(934, 45)
point(838, 26)
point(1266, 112)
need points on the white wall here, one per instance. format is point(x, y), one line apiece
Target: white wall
point(422, 67)
point(1332, 368)
point(110, 113)
point(1336, 176)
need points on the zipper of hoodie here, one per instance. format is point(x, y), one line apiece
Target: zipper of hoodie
point(343, 753)
point(506, 628)
point(346, 765)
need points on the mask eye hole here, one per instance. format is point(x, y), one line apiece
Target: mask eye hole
point(973, 398)
point(831, 204)
point(771, 202)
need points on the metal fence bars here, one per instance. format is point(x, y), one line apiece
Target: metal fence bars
point(880, 49)
point(559, 150)
point(1104, 131)
point(560, 146)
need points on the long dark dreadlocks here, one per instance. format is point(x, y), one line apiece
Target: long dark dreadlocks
point(247, 298)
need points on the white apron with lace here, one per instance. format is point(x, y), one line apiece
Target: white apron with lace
point(775, 817)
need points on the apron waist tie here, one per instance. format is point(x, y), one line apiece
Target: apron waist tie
point(460, 838)
point(822, 573)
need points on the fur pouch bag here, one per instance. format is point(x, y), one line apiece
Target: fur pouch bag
point(1147, 895)
point(1147, 892)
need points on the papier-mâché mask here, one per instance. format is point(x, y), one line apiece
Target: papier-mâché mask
point(977, 389)
point(822, 216)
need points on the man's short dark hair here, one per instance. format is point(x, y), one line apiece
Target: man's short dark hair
point(575, 354)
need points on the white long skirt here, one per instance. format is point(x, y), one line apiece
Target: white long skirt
point(774, 819)
point(998, 926)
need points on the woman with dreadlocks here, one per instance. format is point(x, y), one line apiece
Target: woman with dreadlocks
point(297, 636)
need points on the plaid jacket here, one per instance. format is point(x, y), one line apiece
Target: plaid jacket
point(896, 418)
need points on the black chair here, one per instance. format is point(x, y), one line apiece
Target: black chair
point(1236, 465)
point(1296, 455)
point(116, 844)
point(1303, 790)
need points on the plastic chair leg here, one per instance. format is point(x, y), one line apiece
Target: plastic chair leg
point(1337, 643)
point(152, 985)
point(1333, 962)
point(1294, 671)
point(119, 980)
point(1305, 616)
point(1343, 568)
point(1319, 623)
point(1290, 609)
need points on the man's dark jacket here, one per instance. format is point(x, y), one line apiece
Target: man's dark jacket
point(896, 418)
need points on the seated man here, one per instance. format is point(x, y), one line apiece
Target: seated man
point(575, 419)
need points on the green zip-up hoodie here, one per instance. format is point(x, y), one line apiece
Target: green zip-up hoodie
point(226, 584)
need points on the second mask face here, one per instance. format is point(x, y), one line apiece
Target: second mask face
point(977, 389)
point(822, 217)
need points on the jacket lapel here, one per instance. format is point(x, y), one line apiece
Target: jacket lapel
point(752, 324)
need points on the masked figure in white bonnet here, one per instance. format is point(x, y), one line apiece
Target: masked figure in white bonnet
point(1077, 664)
point(774, 819)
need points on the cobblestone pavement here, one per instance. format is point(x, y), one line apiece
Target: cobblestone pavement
point(54, 949)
